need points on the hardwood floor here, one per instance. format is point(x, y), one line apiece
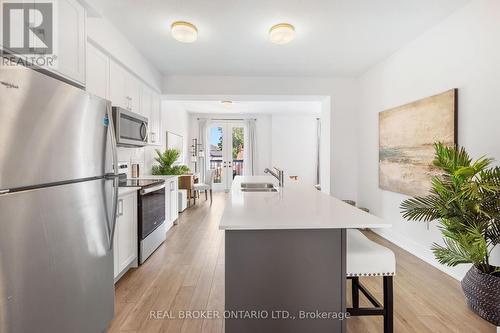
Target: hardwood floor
point(187, 273)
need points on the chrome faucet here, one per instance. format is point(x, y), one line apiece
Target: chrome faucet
point(278, 174)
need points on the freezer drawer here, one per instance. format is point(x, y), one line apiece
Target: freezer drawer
point(56, 267)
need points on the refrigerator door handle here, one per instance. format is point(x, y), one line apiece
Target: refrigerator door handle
point(113, 177)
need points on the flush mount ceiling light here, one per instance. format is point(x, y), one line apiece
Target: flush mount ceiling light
point(226, 103)
point(282, 33)
point(184, 32)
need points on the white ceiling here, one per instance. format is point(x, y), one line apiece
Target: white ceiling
point(333, 37)
point(253, 107)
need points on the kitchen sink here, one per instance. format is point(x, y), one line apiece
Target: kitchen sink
point(259, 189)
point(257, 185)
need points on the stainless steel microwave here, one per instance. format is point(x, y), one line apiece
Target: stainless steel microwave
point(131, 128)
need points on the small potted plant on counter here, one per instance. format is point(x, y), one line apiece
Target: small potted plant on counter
point(466, 201)
point(166, 165)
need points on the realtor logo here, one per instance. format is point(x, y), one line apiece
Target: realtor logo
point(27, 27)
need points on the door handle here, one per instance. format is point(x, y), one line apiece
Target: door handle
point(9, 85)
point(113, 177)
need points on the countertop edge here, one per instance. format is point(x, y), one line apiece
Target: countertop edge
point(312, 227)
point(122, 191)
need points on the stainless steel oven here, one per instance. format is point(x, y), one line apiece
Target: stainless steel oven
point(151, 226)
point(152, 233)
point(131, 128)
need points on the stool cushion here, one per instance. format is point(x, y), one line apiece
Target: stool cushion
point(367, 258)
point(201, 187)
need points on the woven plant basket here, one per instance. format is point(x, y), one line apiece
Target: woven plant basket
point(482, 292)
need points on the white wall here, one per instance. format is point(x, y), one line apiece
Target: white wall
point(462, 52)
point(175, 119)
point(340, 95)
point(294, 146)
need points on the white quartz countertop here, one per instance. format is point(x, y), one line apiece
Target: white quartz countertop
point(295, 206)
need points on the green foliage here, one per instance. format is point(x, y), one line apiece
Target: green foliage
point(466, 201)
point(238, 140)
point(166, 162)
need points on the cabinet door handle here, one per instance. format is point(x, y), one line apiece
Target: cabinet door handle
point(120, 207)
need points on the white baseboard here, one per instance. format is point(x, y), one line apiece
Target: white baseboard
point(419, 251)
point(168, 225)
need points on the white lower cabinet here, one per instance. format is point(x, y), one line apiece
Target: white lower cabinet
point(171, 200)
point(125, 238)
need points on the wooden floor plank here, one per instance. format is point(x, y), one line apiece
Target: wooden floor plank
point(187, 273)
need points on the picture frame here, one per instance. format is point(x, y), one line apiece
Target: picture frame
point(176, 141)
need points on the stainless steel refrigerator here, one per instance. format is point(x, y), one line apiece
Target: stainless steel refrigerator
point(58, 190)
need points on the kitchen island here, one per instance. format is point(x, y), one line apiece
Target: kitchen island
point(285, 258)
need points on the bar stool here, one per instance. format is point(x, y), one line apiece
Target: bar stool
point(367, 258)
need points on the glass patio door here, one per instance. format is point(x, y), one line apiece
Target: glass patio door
point(226, 153)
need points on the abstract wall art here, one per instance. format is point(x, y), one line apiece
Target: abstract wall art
point(406, 142)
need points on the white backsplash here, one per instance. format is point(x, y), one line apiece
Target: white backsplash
point(145, 157)
point(131, 156)
point(149, 158)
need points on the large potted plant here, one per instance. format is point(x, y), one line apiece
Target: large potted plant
point(166, 163)
point(465, 200)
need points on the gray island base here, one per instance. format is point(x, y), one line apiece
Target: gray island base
point(285, 257)
point(292, 280)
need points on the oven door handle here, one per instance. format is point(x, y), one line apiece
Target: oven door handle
point(152, 189)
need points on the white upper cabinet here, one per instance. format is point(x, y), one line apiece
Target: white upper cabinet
point(125, 89)
point(156, 137)
point(146, 102)
point(72, 37)
point(150, 108)
point(68, 37)
point(97, 72)
point(117, 85)
point(133, 93)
